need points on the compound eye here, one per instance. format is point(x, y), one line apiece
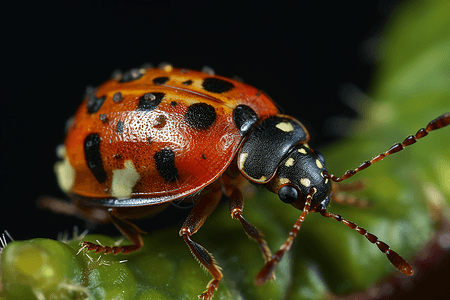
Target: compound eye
point(288, 194)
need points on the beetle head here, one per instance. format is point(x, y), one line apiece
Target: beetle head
point(299, 174)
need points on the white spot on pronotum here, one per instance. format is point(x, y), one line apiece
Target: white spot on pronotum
point(242, 159)
point(285, 126)
point(302, 150)
point(326, 180)
point(283, 181)
point(65, 173)
point(289, 162)
point(262, 179)
point(319, 164)
point(123, 180)
point(305, 181)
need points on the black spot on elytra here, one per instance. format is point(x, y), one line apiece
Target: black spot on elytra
point(117, 97)
point(203, 156)
point(216, 85)
point(93, 156)
point(119, 127)
point(103, 118)
point(149, 101)
point(94, 103)
point(132, 74)
point(160, 80)
point(165, 164)
point(173, 103)
point(200, 116)
point(244, 117)
point(187, 82)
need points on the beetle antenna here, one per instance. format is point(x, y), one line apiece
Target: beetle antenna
point(267, 271)
point(393, 256)
point(437, 123)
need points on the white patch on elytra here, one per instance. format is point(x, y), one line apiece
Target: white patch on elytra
point(123, 180)
point(65, 173)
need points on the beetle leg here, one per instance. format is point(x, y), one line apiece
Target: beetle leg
point(90, 214)
point(236, 207)
point(128, 229)
point(199, 213)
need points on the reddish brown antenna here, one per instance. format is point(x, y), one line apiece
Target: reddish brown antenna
point(393, 256)
point(437, 123)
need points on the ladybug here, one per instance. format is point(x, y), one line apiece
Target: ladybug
point(151, 136)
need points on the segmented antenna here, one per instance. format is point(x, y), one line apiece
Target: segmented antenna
point(437, 123)
point(393, 256)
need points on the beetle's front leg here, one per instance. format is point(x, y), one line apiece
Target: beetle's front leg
point(236, 207)
point(201, 211)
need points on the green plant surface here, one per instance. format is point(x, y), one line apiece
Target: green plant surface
point(408, 192)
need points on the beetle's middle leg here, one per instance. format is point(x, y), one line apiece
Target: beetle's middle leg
point(198, 215)
point(236, 206)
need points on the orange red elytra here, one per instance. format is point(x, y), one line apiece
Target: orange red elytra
point(150, 136)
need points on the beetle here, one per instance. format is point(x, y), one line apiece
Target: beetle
point(150, 136)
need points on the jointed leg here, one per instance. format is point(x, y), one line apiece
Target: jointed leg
point(202, 209)
point(98, 215)
point(128, 229)
point(236, 207)
point(89, 213)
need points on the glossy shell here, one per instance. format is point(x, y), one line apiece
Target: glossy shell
point(150, 136)
point(266, 146)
